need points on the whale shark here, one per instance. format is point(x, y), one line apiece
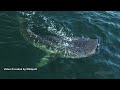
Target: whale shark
point(64, 47)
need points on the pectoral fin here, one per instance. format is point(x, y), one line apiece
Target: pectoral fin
point(46, 59)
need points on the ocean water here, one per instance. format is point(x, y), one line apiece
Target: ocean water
point(16, 52)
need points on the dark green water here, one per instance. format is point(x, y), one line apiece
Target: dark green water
point(15, 52)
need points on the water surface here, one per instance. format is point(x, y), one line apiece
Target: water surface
point(16, 52)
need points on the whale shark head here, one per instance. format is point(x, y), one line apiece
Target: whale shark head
point(84, 46)
point(81, 47)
